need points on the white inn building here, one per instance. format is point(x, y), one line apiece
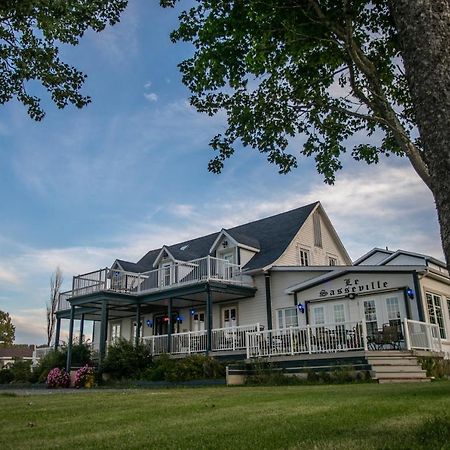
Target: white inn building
point(279, 287)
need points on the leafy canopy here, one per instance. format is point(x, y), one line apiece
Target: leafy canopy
point(7, 329)
point(30, 32)
point(324, 69)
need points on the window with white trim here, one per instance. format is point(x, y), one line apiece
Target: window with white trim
point(339, 313)
point(393, 311)
point(370, 315)
point(135, 330)
point(332, 261)
point(304, 257)
point(287, 318)
point(319, 315)
point(229, 317)
point(435, 312)
point(198, 321)
point(115, 331)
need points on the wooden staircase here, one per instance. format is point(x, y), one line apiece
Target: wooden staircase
point(395, 367)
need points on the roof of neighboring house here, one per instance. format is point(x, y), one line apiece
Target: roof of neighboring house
point(391, 255)
point(270, 235)
point(16, 352)
point(130, 266)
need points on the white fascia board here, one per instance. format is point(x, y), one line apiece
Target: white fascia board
point(352, 269)
point(118, 263)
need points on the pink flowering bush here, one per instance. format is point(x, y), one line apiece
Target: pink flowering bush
point(84, 377)
point(58, 378)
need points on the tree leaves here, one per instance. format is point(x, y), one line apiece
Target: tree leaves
point(30, 31)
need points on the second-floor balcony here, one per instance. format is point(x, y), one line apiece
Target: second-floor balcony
point(179, 273)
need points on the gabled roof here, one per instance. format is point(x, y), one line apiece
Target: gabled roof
point(272, 235)
point(370, 253)
point(17, 352)
point(238, 239)
point(390, 255)
point(131, 266)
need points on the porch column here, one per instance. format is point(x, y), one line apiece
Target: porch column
point(138, 324)
point(103, 330)
point(81, 329)
point(57, 332)
point(169, 326)
point(208, 319)
point(69, 344)
point(268, 301)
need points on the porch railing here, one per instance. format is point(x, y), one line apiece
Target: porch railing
point(222, 339)
point(231, 338)
point(178, 274)
point(311, 339)
point(188, 342)
point(422, 336)
point(157, 344)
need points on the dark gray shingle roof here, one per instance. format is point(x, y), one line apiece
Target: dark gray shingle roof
point(271, 235)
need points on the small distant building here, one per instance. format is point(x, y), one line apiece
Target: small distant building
point(9, 354)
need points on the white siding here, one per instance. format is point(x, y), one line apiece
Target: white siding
point(305, 239)
point(246, 256)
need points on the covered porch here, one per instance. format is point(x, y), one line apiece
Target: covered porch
point(105, 307)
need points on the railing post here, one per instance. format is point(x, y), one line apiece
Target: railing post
point(429, 336)
point(234, 338)
point(247, 344)
point(139, 283)
point(208, 267)
point(406, 332)
point(291, 340)
point(364, 333)
point(308, 340)
point(189, 343)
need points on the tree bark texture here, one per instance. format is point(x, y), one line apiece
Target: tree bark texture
point(424, 31)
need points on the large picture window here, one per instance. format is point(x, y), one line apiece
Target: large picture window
point(434, 307)
point(287, 318)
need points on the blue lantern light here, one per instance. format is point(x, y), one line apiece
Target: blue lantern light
point(193, 312)
point(410, 293)
point(301, 308)
point(180, 318)
point(149, 323)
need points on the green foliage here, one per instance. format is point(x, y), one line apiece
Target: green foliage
point(194, 367)
point(322, 70)
point(21, 371)
point(435, 367)
point(6, 376)
point(30, 31)
point(126, 360)
point(7, 329)
point(81, 355)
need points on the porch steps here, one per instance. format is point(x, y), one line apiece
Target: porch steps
point(396, 367)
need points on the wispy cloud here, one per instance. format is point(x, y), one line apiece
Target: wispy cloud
point(151, 97)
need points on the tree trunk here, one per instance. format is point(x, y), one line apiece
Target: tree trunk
point(424, 31)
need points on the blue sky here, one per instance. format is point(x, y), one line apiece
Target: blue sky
point(129, 173)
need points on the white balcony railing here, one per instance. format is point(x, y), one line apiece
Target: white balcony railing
point(422, 336)
point(326, 338)
point(178, 274)
point(222, 339)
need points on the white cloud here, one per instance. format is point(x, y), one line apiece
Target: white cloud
point(148, 84)
point(151, 97)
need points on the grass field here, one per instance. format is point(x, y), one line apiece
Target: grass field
point(323, 417)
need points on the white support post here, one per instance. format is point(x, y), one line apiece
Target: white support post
point(429, 337)
point(189, 343)
point(407, 337)
point(247, 341)
point(208, 267)
point(139, 283)
point(364, 333)
point(234, 338)
point(291, 340)
point(308, 335)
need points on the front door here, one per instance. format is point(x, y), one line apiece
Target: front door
point(229, 317)
point(161, 324)
point(198, 321)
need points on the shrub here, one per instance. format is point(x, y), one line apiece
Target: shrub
point(6, 376)
point(81, 355)
point(125, 360)
point(194, 367)
point(58, 378)
point(435, 367)
point(84, 377)
point(21, 371)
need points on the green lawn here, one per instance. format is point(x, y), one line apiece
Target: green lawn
point(323, 417)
